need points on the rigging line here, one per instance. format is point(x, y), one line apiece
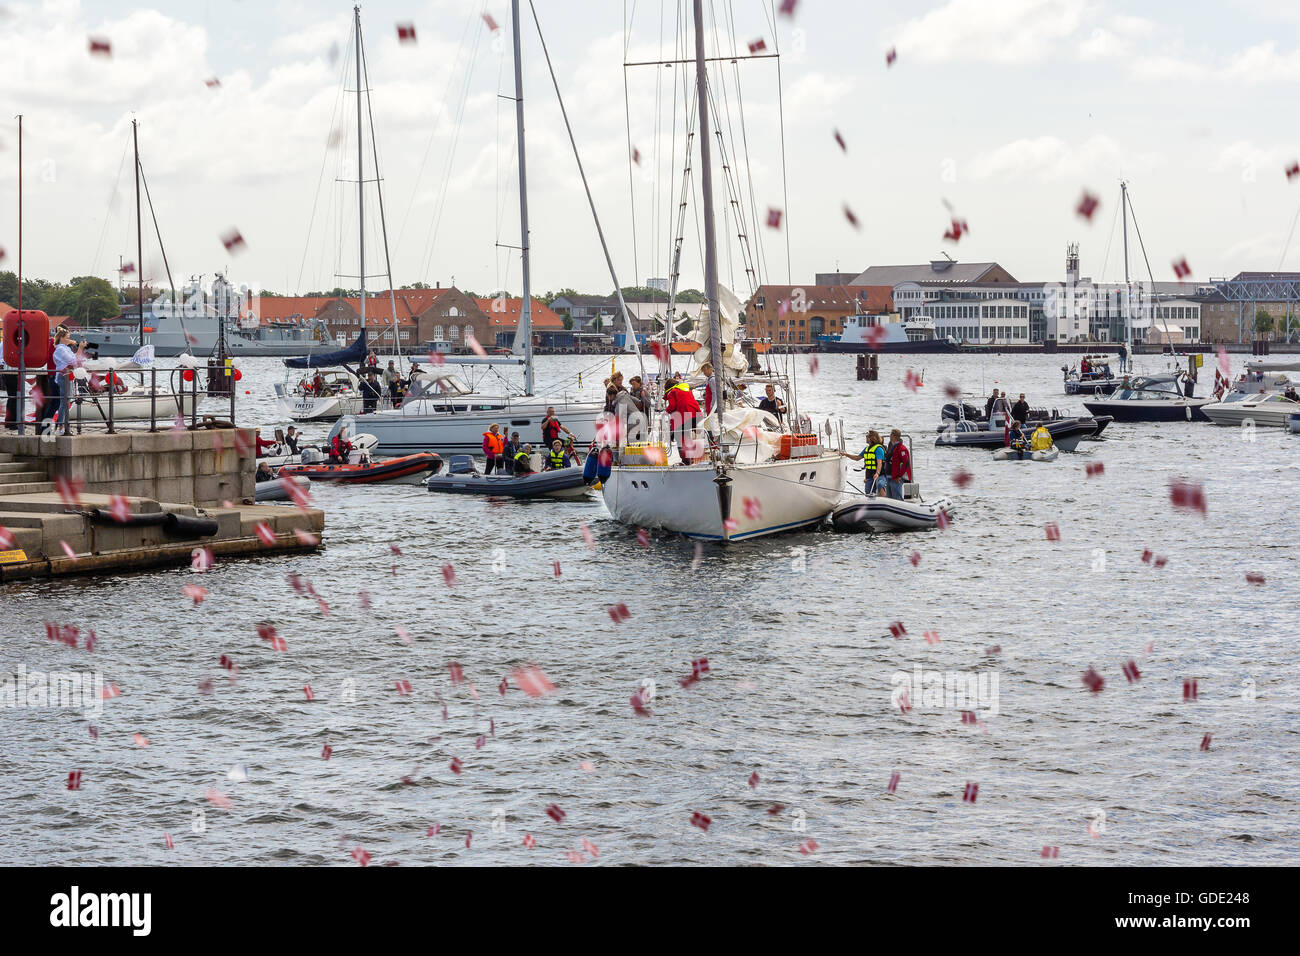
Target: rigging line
point(655, 190)
point(760, 259)
point(324, 161)
point(1110, 238)
point(729, 158)
point(379, 194)
point(99, 247)
point(586, 186)
point(627, 121)
point(785, 183)
point(436, 221)
point(161, 248)
point(732, 183)
point(1142, 246)
point(1287, 246)
point(433, 131)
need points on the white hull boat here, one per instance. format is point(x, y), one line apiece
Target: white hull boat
point(766, 498)
point(879, 513)
point(1267, 409)
point(136, 404)
point(1010, 454)
point(431, 426)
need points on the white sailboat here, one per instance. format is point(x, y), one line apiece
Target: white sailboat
point(756, 477)
point(439, 415)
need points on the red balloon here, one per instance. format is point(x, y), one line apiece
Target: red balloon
point(238, 375)
point(188, 374)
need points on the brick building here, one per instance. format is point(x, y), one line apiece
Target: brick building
point(797, 314)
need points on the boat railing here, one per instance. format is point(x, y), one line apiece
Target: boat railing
point(89, 400)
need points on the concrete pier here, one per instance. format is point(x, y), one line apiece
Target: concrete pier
point(197, 474)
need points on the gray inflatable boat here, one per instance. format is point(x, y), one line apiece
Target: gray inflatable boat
point(463, 478)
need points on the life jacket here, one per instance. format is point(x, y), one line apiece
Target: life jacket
point(1042, 439)
point(521, 462)
point(340, 446)
point(873, 457)
point(495, 443)
point(550, 430)
point(680, 399)
point(557, 459)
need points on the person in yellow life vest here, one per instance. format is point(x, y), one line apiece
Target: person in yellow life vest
point(524, 461)
point(557, 458)
point(494, 448)
point(1040, 440)
point(873, 462)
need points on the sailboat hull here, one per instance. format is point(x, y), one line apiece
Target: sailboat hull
point(401, 432)
point(766, 498)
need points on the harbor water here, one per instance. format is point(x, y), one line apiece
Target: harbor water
point(793, 732)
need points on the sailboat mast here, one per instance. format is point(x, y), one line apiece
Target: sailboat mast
point(1128, 289)
point(710, 236)
point(139, 239)
point(525, 327)
point(361, 190)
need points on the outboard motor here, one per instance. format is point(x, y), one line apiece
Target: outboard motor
point(461, 465)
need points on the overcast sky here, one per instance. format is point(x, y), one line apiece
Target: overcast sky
point(1007, 109)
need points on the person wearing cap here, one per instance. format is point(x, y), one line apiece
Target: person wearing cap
point(262, 444)
point(494, 448)
point(523, 461)
point(291, 439)
point(513, 447)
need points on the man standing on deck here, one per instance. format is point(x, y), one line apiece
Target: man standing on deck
point(1020, 410)
point(370, 393)
point(900, 464)
point(551, 428)
point(771, 404)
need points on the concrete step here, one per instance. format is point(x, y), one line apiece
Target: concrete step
point(48, 500)
point(26, 488)
point(6, 467)
point(24, 476)
point(6, 457)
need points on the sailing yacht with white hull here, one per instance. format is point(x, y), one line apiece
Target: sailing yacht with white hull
point(437, 414)
point(756, 477)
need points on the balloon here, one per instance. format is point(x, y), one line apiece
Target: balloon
point(188, 374)
point(238, 375)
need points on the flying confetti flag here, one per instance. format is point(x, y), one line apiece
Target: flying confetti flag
point(893, 782)
point(757, 46)
point(265, 534)
point(1181, 269)
point(7, 540)
point(74, 780)
point(533, 682)
point(787, 7)
point(530, 841)
point(773, 218)
point(660, 351)
point(1087, 206)
point(1094, 468)
point(1053, 532)
point(491, 23)
point(234, 242)
point(853, 220)
point(100, 47)
point(1190, 691)
point(1254, 578)
point(701, 820)
point(813, 364)
point(69, 490)
point(474, 346)
point(971, 792)
point(1205, 742)
point(555, 813)
point(195, 593)
point(406, 32)
point(449, 575)
point(956, 230)
point(1187, 494)
point(890, 57)
point(1094, 681)
point(1292, 171)
point(961, 477)
point(912, 381)
point(1050, 852)
point(897, 629)
point(839, 140)
point(212, 82)
point(1225, 363)
point(915, 558)
point(1131, 672)
point(619, 613)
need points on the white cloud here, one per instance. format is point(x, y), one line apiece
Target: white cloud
point(1014, 31)
point(1052, 158)
point(1263, 64)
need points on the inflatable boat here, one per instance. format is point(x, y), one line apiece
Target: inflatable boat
point(1011, 454)
point(878, 513)
point(369, 473)
point(274, 489)
point(463, 478)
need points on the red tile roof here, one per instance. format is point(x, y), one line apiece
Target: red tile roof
point(282, 308)
point(505, 313)
point(879, 297)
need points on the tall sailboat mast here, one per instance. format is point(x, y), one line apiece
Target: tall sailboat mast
point(710, 236)
point(525, 327)
point(1128, 288)
point(139, 240)
point(361, 189)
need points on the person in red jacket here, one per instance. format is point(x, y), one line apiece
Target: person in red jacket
point(494, 449)
point(683, 410)
point(900, 464)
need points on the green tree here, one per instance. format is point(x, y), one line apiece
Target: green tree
point(567, 322)
point(416, 285)
point(691, 295)
point(1263, 321)
point(597, 324)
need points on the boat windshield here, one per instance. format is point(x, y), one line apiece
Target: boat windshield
point(437, 385)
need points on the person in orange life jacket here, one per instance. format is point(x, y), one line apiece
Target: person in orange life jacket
point(551, 427)
point(899, 460)
point(682, 410)
point(494, 448)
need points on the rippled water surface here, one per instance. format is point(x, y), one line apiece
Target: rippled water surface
point(796, 633)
